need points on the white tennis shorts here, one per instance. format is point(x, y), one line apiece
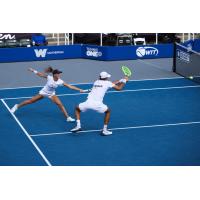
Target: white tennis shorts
point(93, 105)
point(45, 94)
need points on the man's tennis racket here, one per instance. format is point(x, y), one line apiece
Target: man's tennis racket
point(126, 70)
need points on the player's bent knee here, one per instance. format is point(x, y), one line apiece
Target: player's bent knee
point(78, 109)
point(108, 110)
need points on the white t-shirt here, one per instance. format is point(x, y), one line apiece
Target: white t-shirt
point(51, 85)
point(99, 90)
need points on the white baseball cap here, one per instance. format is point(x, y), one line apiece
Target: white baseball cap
point(105, 75)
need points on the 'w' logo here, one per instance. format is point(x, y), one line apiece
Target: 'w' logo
point(40, 52)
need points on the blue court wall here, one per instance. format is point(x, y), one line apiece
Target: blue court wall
point(194, 44)
point(40, 53)
point(127, 52)
point(106, 53)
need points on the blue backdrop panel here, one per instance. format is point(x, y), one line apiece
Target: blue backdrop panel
point(140, 52)
point(127, 52)
point(196, 45)
point(106, 53)
point(193, 44)
point(40, 53)
point(94, 52)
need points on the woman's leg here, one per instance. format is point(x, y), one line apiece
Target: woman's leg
point(57, 101)
point(30, 101)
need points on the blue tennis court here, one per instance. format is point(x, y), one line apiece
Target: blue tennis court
point(154, 122)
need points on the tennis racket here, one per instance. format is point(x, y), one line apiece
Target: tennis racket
point(126, 70)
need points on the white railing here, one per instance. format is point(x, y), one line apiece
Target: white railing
point(61, 38)
point(58, 39)
point(188, 36)
point(101, 39)
point(66, 38)
point(156, 38)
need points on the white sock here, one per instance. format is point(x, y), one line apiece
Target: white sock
point(78, 123)
point(105, 127)
point(16, 107)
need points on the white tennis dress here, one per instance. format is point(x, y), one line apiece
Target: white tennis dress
point(95, 97)
point(49, 89)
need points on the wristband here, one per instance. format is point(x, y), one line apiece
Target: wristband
point(122, 81)
point(89, 90)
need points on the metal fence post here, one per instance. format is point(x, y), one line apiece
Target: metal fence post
point(72, 38)
point(58, 39)
point(101, 42)
point(156, 38)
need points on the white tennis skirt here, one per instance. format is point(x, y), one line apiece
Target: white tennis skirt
point(46, 94)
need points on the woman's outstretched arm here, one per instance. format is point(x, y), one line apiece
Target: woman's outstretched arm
point(73, 87)
point(40, 74)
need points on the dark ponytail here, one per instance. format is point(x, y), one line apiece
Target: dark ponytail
point(48, 70)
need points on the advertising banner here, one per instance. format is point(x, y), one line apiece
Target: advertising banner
point(140, 52)
point(94, 52)
point(106, 53)
point(15, 36)
point(40, 53)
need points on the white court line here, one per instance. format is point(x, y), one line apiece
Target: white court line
point(137, 90)
point(27, 134)
point(167, 78)
point(124, 128)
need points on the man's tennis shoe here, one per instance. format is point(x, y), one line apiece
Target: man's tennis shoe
point(14, 108)
point(69, 119)
point(76, 129)
point(106, 132)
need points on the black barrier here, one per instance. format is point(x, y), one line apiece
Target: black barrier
point(187, 63)
point(15, 36)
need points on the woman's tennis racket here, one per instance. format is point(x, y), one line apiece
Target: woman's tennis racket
point(126, 70)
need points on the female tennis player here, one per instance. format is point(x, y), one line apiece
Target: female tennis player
point(95, 100)
point(49, 91)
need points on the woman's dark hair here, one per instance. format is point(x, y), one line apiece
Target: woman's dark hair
point(48, 70)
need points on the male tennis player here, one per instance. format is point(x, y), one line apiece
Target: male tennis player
point(95, 100)
point(49, 91)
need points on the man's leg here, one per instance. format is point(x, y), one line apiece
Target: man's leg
point(106, 121)
point(107, 117)
point(78, 115)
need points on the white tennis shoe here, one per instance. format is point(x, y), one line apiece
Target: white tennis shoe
point(14, 108)
point(70, 119)
point(106, 132)
point(76, 129)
